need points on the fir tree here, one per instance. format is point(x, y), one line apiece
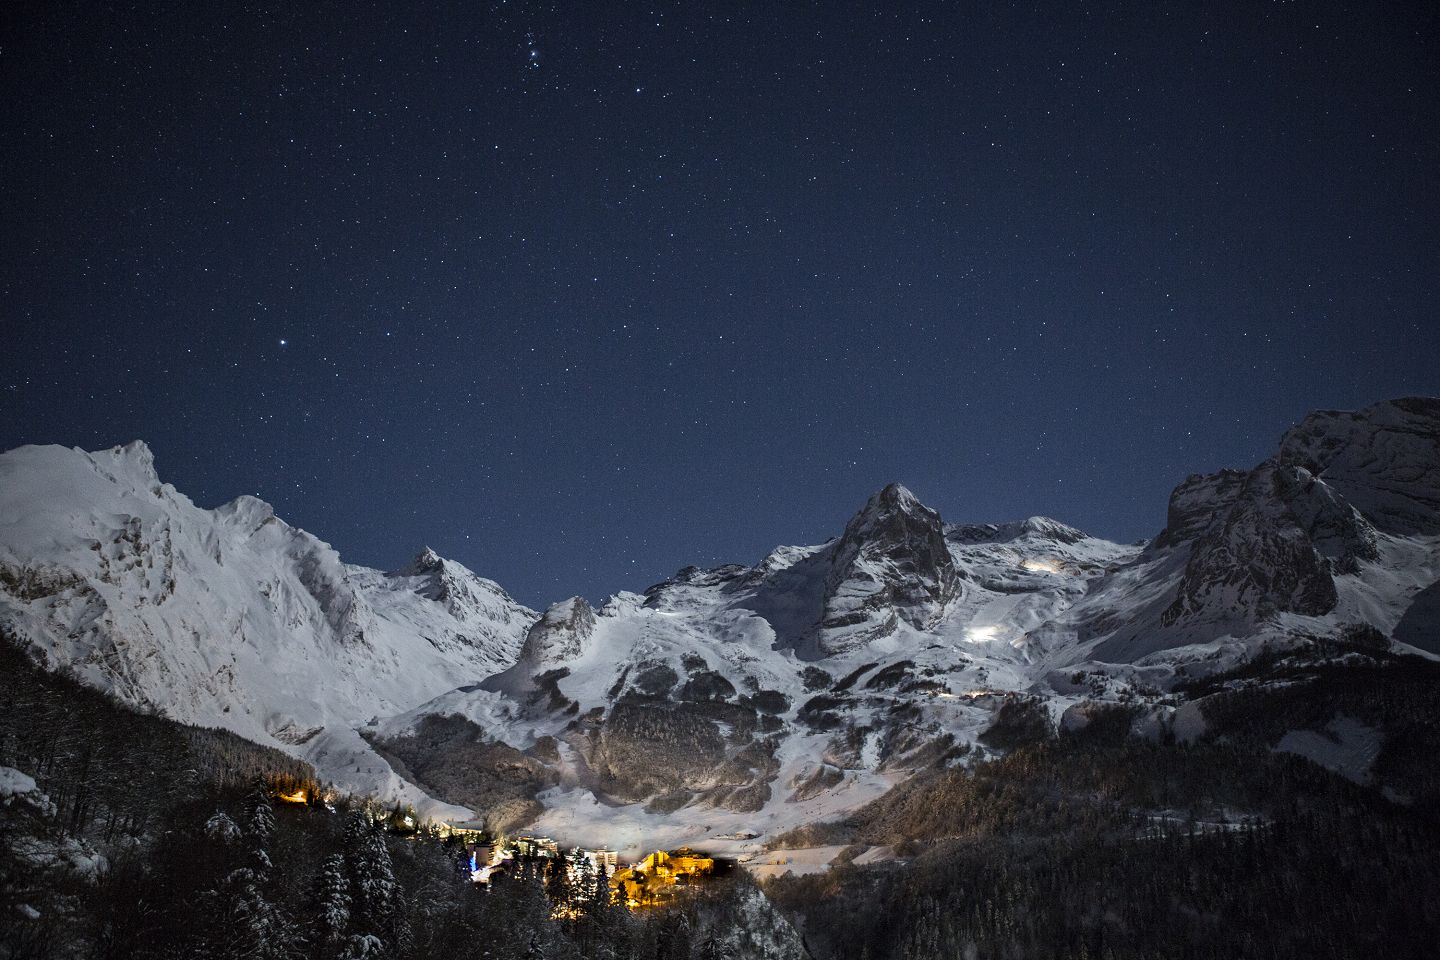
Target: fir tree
point(329, 909)
point(240, 923)
point(220, 827)
point(259, 818)
point(365, 946)
point(557, 882)
point(379, 901)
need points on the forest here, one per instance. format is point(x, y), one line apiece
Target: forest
point(164, 841)
point(1102, 844)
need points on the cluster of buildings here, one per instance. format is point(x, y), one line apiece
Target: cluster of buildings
point(660, 876)
point(487, 857)
point(656, 879)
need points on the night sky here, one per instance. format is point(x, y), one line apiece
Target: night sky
point(580, 293)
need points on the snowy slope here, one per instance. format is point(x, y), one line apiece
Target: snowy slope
point(740, 701)
point(724, 705)
point(231, 617)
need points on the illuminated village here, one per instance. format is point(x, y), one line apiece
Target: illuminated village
point(652, 881)
point(660, 876)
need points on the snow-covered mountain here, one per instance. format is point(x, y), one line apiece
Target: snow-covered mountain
point(721, 704)
point(744, 700)
point(231, 617)
point(1340, 527)
point(726, 703)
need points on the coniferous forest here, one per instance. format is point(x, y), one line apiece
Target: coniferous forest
point(158, 841)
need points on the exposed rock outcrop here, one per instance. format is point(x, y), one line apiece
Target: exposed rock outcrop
point(1253, 561)
point(1384, 460)
point(891, 564)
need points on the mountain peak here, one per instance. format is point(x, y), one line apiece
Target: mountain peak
point(884, 507)
point(1037, 527)
point(247, 511)
point(1052, 529)
point(1384, 459)
point(896, 496)
point(891, 564)
point(137, 450)
point(426, 562)
point(560, 634)
point(134, 460)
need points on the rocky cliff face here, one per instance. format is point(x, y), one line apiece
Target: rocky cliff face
point(1197, 503)
point(891, 565)
point(1337, 531)
point(1383, 460)
point(1253, 560)
point(560, 634)
point(1272, 541)
point(1336, 527)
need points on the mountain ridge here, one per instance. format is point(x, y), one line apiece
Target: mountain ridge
point(723, 702)
point(230, 617)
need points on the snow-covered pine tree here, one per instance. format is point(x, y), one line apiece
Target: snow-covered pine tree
point(329, 910)
point(357, 827)
point(220, 827)
point(259, 817)
point(240, 922)
point(379, 900)
point(713, 948)
point(557, 882)
point(261, 929)
point(603, 930)
point(363, 947)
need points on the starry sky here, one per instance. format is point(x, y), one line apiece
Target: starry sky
point(579, 293)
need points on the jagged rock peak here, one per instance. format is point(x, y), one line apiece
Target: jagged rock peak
point(462, 592)
point(1052, 529)
point(897, 493)
point(1383, 459)
point(893, 496)
point(892, 512)
point(1270, 540)
point(133, 461)
point(702, 576)
point(895, 524)
point(1254, 560)
point(1338, 531)
point(136, 451)
point(425, 563)
point(1198, 501)
point(783, 558)
point(561, 633)
point(892, 563)
point(722, 576)
point(438, 581)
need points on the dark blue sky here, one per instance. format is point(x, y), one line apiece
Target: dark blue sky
point(578, 296)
